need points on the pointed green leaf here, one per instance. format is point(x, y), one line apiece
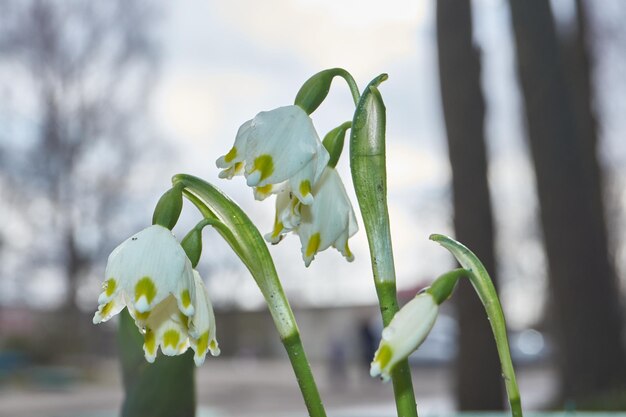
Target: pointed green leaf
point(483, 285)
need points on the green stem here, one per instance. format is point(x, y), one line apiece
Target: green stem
point(369, 175)
point(244, 238)
point(354, 88)
point(479, 277)
point(302, 369)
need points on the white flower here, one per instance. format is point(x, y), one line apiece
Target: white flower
point(151, 275)
point(277, 146)
point(406, 332)
point(173, 332)
point(328, 221)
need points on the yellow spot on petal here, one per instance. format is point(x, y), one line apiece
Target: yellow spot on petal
point(185, 298)
point(142, 316)
point(266, 189)
point(383, 356)
point(149, 342)
point(278, 227)
point(232, 154)
point(171, 338)
point(203, 343)
point(106, 310)
point(347, 251)
point(110, 285)
point(264, 164)
point(145, 287)
point(237, 168)
point(313, 245)
point(305, 188)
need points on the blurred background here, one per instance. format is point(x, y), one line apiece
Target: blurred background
point(505, 129)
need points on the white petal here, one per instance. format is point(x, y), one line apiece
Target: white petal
point(202, 328)
point(109, 308)
point(238, 151)
point(329, 216)
point(406, 332)
point(148, 267)
point(285, 134)
point(166, 328)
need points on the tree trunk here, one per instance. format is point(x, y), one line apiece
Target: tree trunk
point(479, 382)
point(561, 130)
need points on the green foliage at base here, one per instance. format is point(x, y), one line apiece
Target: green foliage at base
point(164, 388)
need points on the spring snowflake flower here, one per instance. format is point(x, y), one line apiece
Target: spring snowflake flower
point(328, 221)
point(151, 275)
point(277, 146)
point(406, 332)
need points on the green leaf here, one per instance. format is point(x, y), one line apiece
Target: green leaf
point(369, 176)
point(164, 388)
point(480, 279)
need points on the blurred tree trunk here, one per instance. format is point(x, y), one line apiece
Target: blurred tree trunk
point(562, 138)
point(478, 375)
point(89, 67)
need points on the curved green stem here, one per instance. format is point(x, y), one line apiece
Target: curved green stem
point(354, 89)
point(241, 234)
point(479, 277)
point(314, 90)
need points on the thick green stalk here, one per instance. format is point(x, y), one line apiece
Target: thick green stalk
point(241, 234)
point(368, 166)
point(479, 277)
point(302, 369)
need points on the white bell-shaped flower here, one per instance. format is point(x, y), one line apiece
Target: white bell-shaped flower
point(151, 275)
point(406, 332)
point(142, 272)
point(328, 221)
point(174, 332)
point(277, 146)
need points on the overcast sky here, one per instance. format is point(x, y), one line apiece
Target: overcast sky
point(225, 61)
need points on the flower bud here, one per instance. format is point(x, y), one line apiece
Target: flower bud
point(406, 332)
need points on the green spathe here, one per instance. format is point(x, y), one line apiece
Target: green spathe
point(333, 142)
point(315, 90)
point(168, 208)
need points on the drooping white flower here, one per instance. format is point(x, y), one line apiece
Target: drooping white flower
point(151, 275)
point(406, 332)
point(142, 272)
point(277, 146)
point(328, 221)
